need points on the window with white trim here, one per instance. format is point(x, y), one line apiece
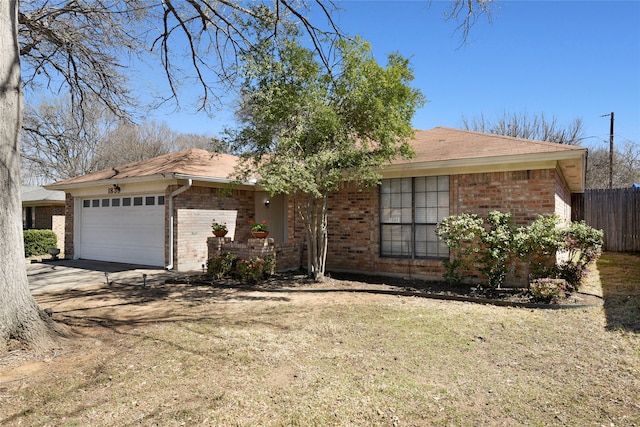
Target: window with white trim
point(410, 210)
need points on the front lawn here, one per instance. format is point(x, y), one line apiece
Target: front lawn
point(184, 354)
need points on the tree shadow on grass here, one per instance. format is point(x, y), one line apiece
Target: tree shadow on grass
point(120, 306)
point(620, 280)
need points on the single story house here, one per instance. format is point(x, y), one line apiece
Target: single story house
point(43, 209)
point(159, 211)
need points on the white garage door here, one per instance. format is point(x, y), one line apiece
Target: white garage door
point(123, 229)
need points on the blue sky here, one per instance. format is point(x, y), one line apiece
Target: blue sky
point(566, 59)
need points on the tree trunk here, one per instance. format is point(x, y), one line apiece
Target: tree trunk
point(315, 219)
point(20, 317)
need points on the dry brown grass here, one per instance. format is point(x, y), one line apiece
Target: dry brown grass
point(197, 355)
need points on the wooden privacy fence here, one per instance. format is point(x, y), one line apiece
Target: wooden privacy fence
point(617, 212)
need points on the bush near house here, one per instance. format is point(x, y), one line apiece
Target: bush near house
point(494, 246)
point(221, 265)
point(548, 290)
point(38, 242)
point(249, 271)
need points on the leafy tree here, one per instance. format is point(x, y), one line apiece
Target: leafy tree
point(307, 129)
point(522, 125)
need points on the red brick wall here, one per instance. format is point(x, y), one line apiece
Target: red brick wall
point(354, 229)
point(287, 254)
point(44, 214)
point(525, 194)
point(68, 226)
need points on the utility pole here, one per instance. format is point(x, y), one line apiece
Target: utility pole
point(610, 150)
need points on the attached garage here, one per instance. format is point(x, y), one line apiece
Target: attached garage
point(128, 229)
point(129, 213)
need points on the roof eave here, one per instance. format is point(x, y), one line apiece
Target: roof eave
point(213, 179)
point(110, 181)
point(511, 162)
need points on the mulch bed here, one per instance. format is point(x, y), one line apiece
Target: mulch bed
point(349, 282)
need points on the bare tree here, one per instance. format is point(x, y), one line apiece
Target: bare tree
point(79, 47)
point(59, 144)
point(626, 167)
point(467, 12)
point(133, 143)
point(190, 140)
point(521, 125)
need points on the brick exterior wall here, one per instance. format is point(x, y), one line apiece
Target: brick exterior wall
point(190, 232)
point(44, 215)
point(68, 225)
point(563, 199)
point(526, 194)
point(354, 222)
point(288, 255)
point(58, 227)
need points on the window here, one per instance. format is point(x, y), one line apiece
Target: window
point(86, 203)
point(105, 203)
point(410, 210)
point(126, 201)
point(149, 200)
point(115, 202)
point(161, 200)
point(28, 217)
point(95, 203)
point(137, 201)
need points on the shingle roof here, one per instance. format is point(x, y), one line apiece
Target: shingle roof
point(441, 143)
point(32, 194)
point(192, 162)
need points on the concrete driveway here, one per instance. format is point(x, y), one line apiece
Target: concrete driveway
point(56, 276)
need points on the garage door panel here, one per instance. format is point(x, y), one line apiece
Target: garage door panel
point(131, 234)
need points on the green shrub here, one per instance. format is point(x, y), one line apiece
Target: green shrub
point(38, 242)
point(269, 266)
point(548, 290)
point(472, 243)
point(538, 243)
point(221, 265)
point(461, 234)
point(583, 244)
point(251, 271)
point(498, 252)
point(493, 246)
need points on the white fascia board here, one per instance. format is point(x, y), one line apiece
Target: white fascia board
point(108, 182)
point(215, 180)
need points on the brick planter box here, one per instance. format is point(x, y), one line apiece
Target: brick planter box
point(288, 255)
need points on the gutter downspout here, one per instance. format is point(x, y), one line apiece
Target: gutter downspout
point(171, 218)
